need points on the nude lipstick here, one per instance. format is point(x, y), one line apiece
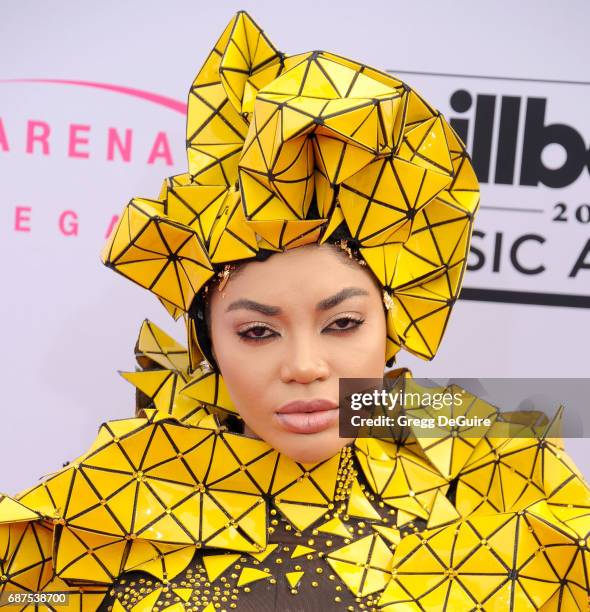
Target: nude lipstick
point(307, 416)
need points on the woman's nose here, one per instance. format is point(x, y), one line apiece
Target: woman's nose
point(303, 362)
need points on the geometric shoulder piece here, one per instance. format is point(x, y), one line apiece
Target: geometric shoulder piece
point(210, 389)
point(155, 346)
point(160, 386)
point(442, 512)
point(449, 447)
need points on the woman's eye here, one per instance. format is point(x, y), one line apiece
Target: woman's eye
point(256, 332)
point(344, 324)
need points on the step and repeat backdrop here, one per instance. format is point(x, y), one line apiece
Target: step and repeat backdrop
point(92, 113)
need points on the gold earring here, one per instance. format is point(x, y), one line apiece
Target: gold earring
point(205, 366)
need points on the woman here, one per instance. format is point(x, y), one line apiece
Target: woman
point(322, 226)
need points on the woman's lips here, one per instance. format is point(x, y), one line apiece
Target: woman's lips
point(307, 417)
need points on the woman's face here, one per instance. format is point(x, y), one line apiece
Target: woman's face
point(284, 331)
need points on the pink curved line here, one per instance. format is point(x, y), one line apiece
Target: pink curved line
point(174, 105)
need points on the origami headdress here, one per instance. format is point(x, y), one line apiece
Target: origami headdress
point(285, 151)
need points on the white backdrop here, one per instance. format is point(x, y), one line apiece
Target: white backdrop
point(66, 72)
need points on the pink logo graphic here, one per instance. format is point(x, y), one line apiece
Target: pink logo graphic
point(175, 105)
point(38, 139)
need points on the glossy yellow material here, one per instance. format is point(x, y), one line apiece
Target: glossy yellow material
point(251, 574)
point(217, 564)
point(364, 565)
point(285, 150)
point(474, 560)
point(158, 253)
point(293, 578)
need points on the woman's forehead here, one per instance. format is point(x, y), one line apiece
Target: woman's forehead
point(305, 273)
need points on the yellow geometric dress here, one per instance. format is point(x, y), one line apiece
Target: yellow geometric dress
point(172, 510)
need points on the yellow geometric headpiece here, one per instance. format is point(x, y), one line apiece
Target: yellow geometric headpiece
point(285, 151)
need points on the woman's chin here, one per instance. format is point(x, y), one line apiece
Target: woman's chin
point(313, 448)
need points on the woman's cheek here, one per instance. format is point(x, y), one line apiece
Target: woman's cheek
point(363, 355)
point(253, 397)
point(257, 415)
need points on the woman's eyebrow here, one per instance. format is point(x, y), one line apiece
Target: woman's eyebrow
point(256, 306)
point(339, 297)
point(325, 304)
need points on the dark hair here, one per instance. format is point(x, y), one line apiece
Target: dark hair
point(199, 311)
